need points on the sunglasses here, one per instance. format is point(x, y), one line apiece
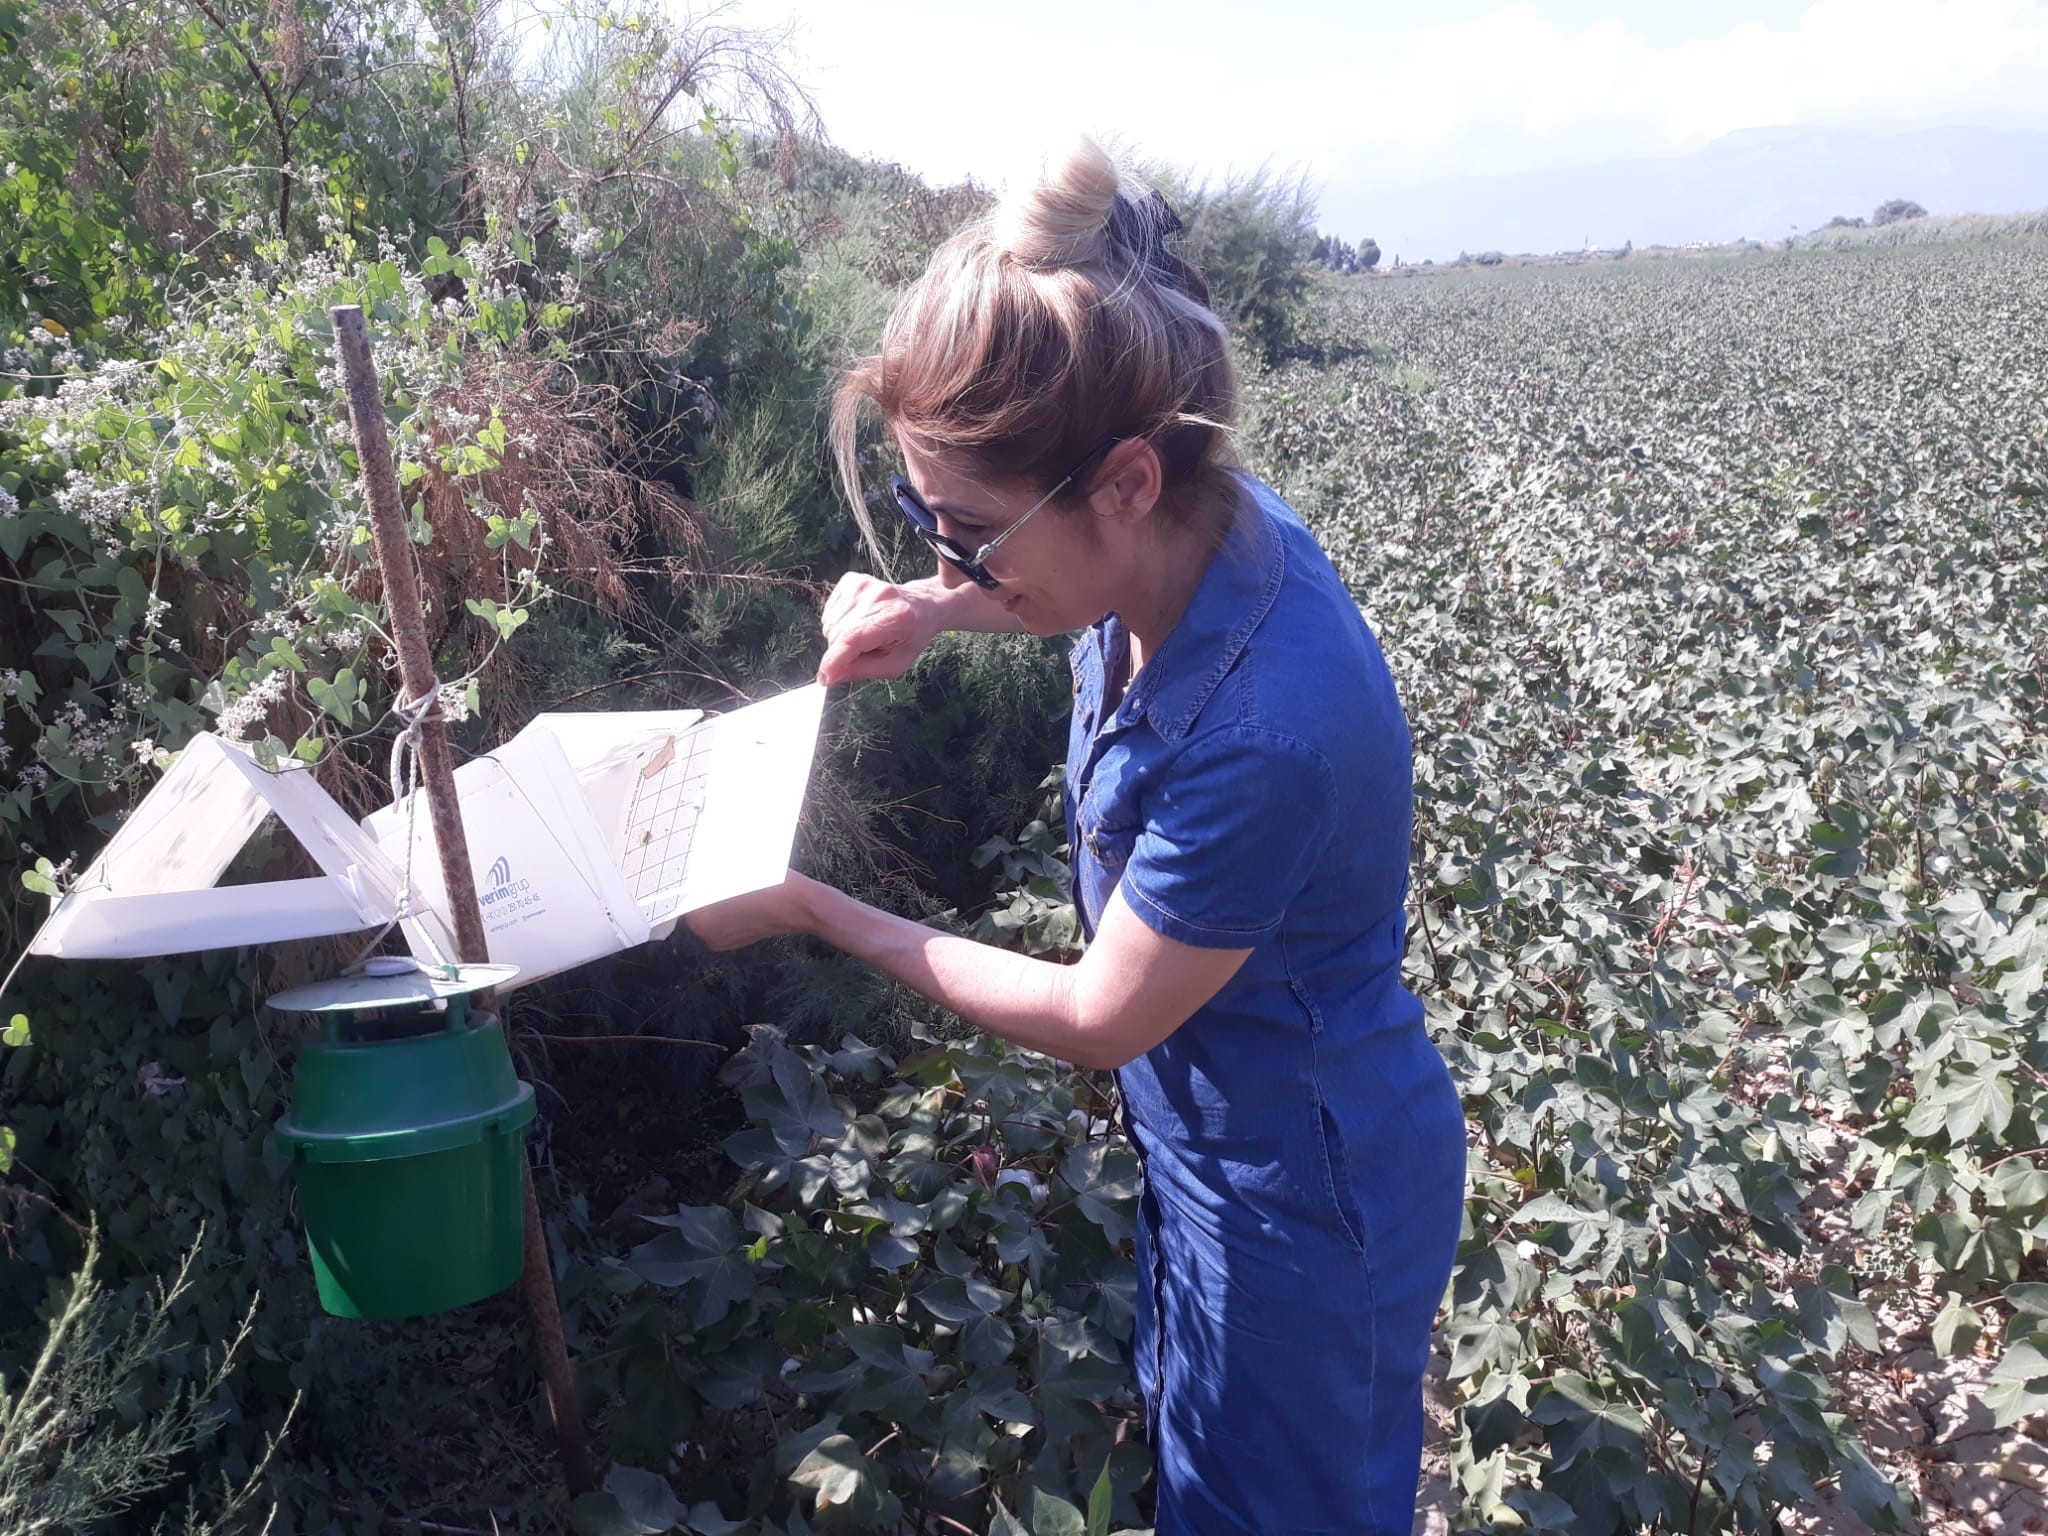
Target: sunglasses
point(925, 522)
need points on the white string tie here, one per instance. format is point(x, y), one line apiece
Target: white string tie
point(405, 784)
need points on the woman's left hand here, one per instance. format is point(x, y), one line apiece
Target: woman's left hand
point(742, 920)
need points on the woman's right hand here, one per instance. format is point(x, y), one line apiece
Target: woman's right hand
point(875, 630)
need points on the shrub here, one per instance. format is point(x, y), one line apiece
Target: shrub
point(54, 1476)
point(1895, 210)
point(601, 371)
point(1250, 237)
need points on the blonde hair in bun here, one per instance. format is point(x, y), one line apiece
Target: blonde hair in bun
point(1035, 333)
point(1060, 220)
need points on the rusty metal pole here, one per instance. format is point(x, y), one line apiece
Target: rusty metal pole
point(437, 776)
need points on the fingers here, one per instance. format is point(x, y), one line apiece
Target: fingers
point(845, 592)
point(846, 662)
point(872, 630)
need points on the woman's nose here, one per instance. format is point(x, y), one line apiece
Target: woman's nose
point(950, 575)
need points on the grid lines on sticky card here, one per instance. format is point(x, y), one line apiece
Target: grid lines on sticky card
point(662, 819)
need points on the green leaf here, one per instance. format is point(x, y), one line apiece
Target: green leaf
point(338, 698)
point(995, 1393)
point(645, 1497)
point(794, 1105)
point(987, 1341)
point(704, 1519)
point(17, 1032)
point(706, 1229)
point(2018, 1387)
point(1105, 1177)
point(1842, 840)
point(1100, 1499)
point(1052, 1515)
point(1958, 1327)
point(1541, 1509)
point(947, 1300)
point(7, 1144)
point(2029, 1301)
point(98, 657)
point(1481, 1342)
point(837, 1473)
point(831, 1469)
point(1547, 1209)
point(1978, 1100)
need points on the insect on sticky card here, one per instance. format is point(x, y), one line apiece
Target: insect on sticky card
point(661, 818)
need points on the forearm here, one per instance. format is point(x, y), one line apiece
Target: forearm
point(1032, 1003)
point(964, 608)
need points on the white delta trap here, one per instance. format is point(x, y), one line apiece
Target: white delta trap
point(588, 833)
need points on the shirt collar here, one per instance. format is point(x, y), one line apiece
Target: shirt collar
point(1230, 601)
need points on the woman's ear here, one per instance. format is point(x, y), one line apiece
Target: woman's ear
point(1130, 480)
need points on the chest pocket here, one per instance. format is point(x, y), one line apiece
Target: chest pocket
point(1108, 845)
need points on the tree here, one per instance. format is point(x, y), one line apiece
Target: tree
point(1895, 210)
point(1368, 253)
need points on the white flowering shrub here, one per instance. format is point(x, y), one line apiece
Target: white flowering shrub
point(186, 190)
point(194, 522)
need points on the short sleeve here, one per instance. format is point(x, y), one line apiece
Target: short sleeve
point(1231, 835)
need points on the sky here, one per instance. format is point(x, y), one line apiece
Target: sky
point(1358, 95)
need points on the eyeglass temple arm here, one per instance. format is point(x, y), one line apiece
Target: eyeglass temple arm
point(1094, 457)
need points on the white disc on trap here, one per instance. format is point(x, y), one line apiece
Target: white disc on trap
point(415, 986)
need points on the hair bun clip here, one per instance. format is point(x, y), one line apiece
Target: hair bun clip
point(1141, 227)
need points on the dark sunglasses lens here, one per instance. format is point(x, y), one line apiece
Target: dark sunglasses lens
point(926, 522)
point(912, 505)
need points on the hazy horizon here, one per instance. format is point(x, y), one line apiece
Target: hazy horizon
point(1472, 126)
point(1759, 183)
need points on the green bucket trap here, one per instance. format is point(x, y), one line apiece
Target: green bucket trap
point(407, 1133)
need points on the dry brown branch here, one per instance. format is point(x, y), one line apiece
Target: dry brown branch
point(564, 441)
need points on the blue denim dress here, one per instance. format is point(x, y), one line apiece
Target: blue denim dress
point(1303, 1145)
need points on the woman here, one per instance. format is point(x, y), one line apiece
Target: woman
point(1239, 799)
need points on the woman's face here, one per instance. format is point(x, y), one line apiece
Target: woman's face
point(1060, 571)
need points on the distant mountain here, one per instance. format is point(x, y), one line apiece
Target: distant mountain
point(1757, 183)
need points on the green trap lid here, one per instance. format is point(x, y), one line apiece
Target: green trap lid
point(366, 1101)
